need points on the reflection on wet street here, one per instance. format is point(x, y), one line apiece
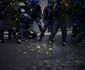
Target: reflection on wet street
point(34, 55)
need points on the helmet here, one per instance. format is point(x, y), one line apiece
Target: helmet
point(21, 4)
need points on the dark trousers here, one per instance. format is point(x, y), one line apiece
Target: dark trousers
point(12, 31)
point(1, 34)
point(46, 25)
point(82, 32)
point(20, 33)
point(55, 28)
point(76, 29)
point(81, 36)
point(20, 29)
point(1, 30)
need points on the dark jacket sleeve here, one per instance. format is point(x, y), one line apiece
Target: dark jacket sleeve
point(45, 12)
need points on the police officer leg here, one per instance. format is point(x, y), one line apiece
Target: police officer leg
point(43, 30)
point(16, 36)
point(31, 23)
point(81, 36)
point(75, 31)
point(39, 23)
point(50, 25)
point(20, 34)
point(55, 28)
point(1, 31)
point(14, 33)
point(1, 35)
point(64, 34)
point(74, 28)
point(9, 33)
point(82, 32)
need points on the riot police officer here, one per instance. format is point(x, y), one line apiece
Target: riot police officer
point(24, 20)
point(81, 25)
point(76, 19)
point(59, 21)
point(1, 30)
point(13, 22)
point(34, 10)
point(1, 22)
point(47, 18)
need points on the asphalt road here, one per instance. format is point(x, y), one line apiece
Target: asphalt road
point(34, 55)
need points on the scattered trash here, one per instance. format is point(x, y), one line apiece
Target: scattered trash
point(25, 53)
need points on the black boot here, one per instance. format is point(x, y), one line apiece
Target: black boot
point(39, 39)
point(64, 43)
point(80, 45)
point(9, 34)
point(19, 41)
point(50, 42)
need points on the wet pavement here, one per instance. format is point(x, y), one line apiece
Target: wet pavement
point(34, 55)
